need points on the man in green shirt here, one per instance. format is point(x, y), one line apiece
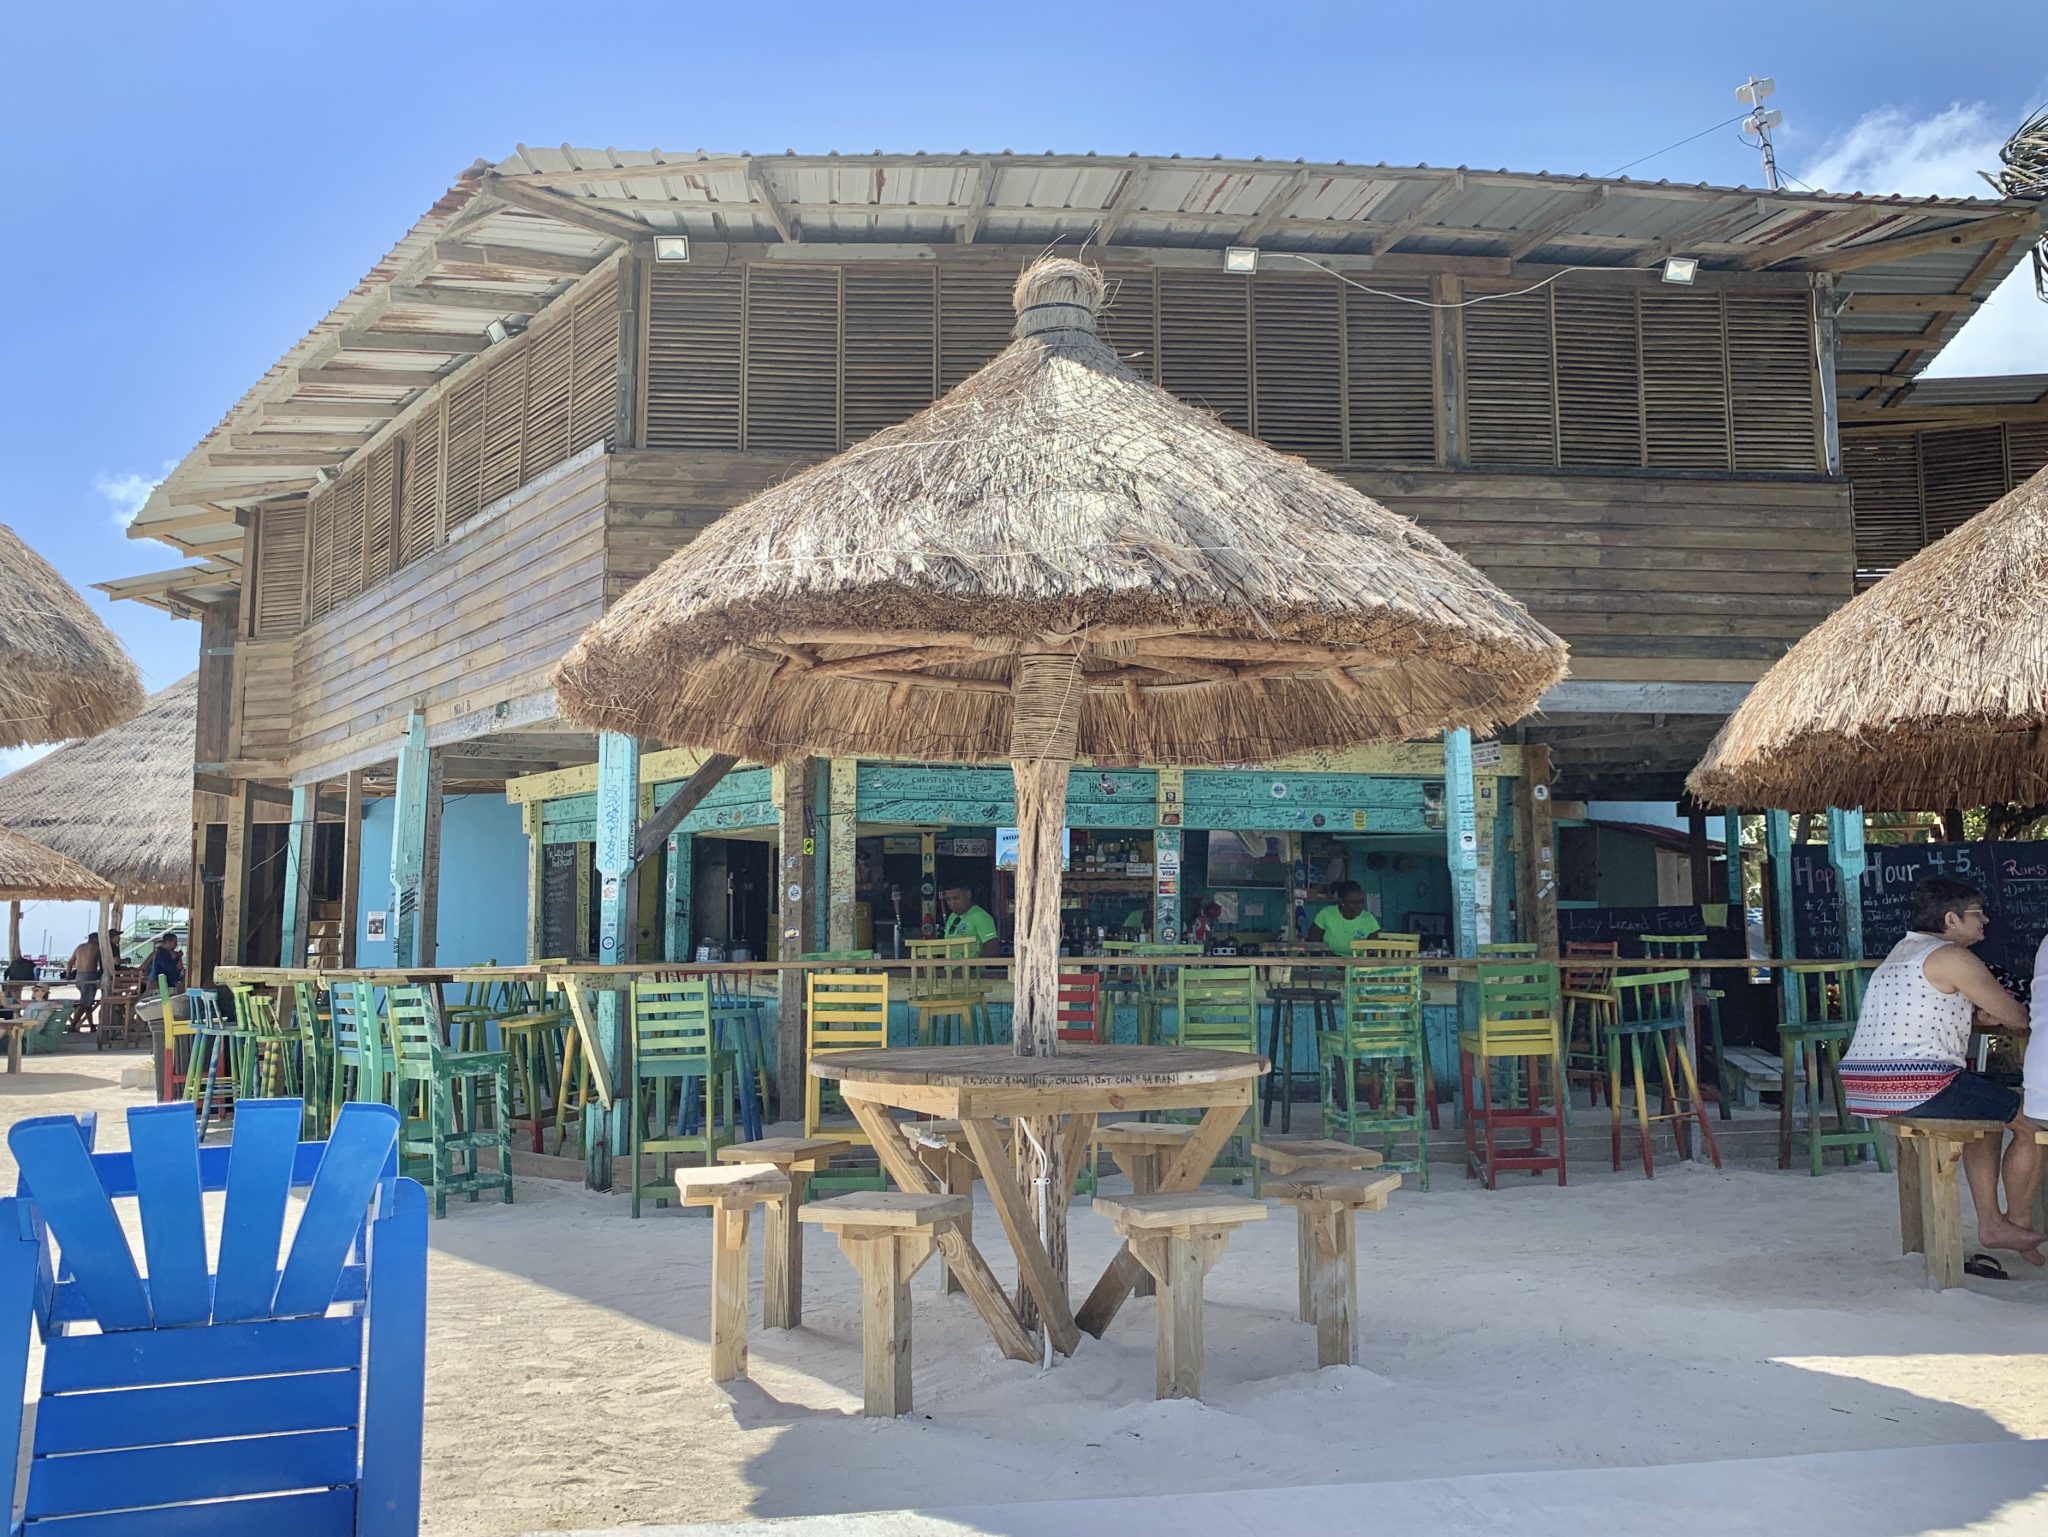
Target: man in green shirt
point(965, 917)
point(1343, 921)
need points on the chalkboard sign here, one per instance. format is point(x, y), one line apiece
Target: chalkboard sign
point(558, 900)
point(1626, 926)
point(2012, 876)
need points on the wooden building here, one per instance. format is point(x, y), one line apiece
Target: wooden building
point(577, 359)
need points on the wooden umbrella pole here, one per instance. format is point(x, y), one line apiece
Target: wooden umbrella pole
point(1047, 696)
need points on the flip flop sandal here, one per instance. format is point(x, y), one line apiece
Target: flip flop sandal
point(1984, 1267)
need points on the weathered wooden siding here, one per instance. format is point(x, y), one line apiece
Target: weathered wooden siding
point(1647, 577)
point(261, 725)
point(473, 624)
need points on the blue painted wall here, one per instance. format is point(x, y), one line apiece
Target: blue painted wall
point(483, 882)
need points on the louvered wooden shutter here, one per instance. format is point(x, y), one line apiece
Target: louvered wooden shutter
point(1129, 323)
point(380, 512)
point(1884, 486)
point(348, 537)
point(2026, 450)
point(1962, 471)
point(465, 450)
point(504, 419)
point(280, 570)
point(693, 358)
point(1599, 383)
point(1390, 372)
point(1205, 342)
point(421, 505)
point(1685, 382)
point(1770, 354)
point(792, 365)
point(320, 583)
point(1298, 358)
point(976, 318)
point(891, 340)
point(1510, 403)
point(550, 373)
point(594, 406)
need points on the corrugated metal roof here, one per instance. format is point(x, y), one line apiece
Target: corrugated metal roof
point(523, 230)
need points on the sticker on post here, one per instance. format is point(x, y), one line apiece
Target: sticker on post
point(376, 926)
point(795, 893)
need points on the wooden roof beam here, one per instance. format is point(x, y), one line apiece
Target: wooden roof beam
point(977, 201)
point(1811, 236)
point(1124, 204)
point(457, 343)
point(450, 296)
point(512, 258)
point(1973, 232)
point(1274, 208)
point(393, 378)
point(757, 186)
point(1419, 215)
point(325, 410)
point(1718, 220)
point(262, 441)
point(577, 212)
point(1562, 217)
point(1909, 304)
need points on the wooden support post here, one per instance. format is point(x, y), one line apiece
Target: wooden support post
point(1941, 1212)
point(729, 1292)
point(234, 899)
point(427, 950)
point(1731, 843)
point(1778, 878)
point(1447, 291)
point(408, 843)
point(536, 866)
point(1485, 825)
point(1542, 847)
point(797, 803)
point(14, 931)
point(618, 813)
point(1912, 1178)
point(1827, 326)
point(1697, 855)
point(679, 889)
point(298, 875)
point(351, 866)
point(1846, 854)
point(1332, 1231)
point(1462, 839)
point(885, 1262)
point(842, 853)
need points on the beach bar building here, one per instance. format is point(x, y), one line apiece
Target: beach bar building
point(1636, 406)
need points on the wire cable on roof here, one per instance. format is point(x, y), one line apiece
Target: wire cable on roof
point(1667, 149)
point(1431, 304)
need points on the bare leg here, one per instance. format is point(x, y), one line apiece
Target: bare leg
point(1994, 1229)
point(2022, 1169)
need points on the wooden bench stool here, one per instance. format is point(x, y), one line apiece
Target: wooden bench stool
point(1291, 1157)
point(1178, 1238)
point(1326, 1204)
point(782, 1250)
point(887, 1234)
point(1141, 1149)
point(1930, 1205)
point(941, 1146)
point(731, 1191)
point(1754, 1073)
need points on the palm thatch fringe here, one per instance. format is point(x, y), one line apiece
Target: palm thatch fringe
point(120, 803)
point(1930, 690)
point(31, 872)
point(62, 673)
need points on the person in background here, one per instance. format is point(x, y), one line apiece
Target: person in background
point(165, 962)
point(1202, 926)
point(964, 916)
point(1344, 921)
point(85, 971)
point(1910, 1052)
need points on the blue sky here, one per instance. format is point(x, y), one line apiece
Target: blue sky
point(196, 184)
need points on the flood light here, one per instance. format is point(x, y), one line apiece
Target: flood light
point(1241, 258)
point(671, 248)
point(1681, 269)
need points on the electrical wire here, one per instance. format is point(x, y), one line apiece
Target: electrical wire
point(1431, 304)
point(1667, 149)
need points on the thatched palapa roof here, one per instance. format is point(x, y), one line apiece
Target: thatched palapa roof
point(62, 673)
point(30, 872)
point(1928, 691)
point(119, 803)
point(1227, 603)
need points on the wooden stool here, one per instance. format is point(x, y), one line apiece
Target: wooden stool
point(1308, 1156)
point(796, 1159)
point(731, 1191)
point(1141, 1149)
point(1930, 1205)
point(1326, 1203)
point(887, 1234)
point(1179, 1238)
point(941, 1146)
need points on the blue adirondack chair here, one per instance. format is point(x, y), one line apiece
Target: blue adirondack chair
point(252, 1400)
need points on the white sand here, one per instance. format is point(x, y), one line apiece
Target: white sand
point(1614, 1323)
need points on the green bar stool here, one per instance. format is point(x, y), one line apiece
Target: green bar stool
point(1693, 947)
point(315, 1063)
point(1821, 1005)
point(1379, 1037)
point(675, 1048)
point(1651, 1011)
point(1218, 1008)
point(451, 1119)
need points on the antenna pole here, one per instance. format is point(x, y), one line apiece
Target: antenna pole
point(1759, 122)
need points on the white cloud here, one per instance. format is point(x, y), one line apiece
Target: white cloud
point(1890, 150)
point(127, 491)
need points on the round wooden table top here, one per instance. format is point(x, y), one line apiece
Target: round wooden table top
point(1076, 1067)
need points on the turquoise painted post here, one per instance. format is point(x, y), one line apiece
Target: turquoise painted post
point(618, 818)
point(298, 874)
point(679, 886)
point(408, 842)
point(1461, 829)
point(1731, 843)
point(1169, 901)
point(1778, 852)
point(1846, 854)
point(821, 847)
point(1504, 865)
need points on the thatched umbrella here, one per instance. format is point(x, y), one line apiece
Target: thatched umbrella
point(1928, 691)
point(62, 673)
point(119, 803)
point(1057, 559)
point(30, 872)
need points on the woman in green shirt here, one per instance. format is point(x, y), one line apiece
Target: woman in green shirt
point(1344, 921)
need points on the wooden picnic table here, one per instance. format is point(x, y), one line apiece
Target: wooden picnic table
point(975, 1085)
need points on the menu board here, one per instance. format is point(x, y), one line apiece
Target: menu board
point(2012, 876)
point(558, 940)
point(1626, 926)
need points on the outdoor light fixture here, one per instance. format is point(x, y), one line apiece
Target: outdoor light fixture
point(322, 474)
point(1681, 269)
point(671, 248)
point(1241, 258)
point(497, 332)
